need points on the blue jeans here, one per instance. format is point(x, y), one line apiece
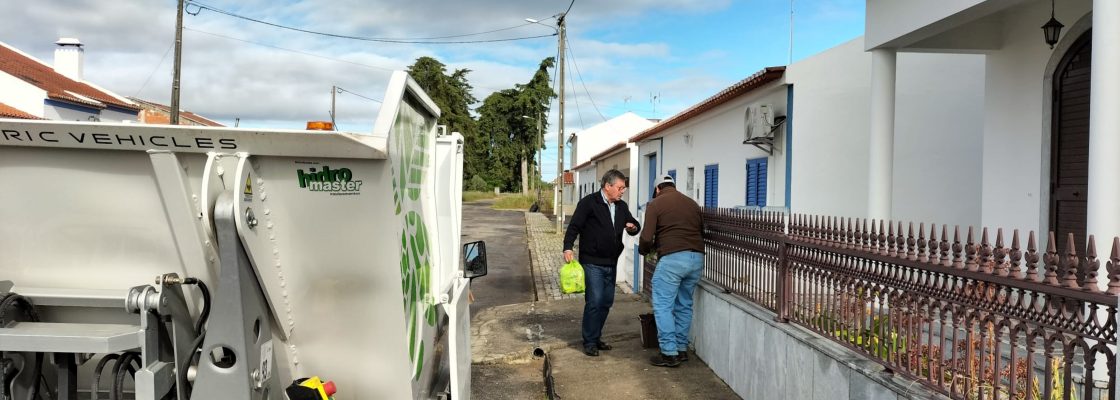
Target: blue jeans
point(673, 283)
point(598, 299)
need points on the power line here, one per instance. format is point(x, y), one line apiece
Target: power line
point(584, 83)
point(141, 89)
point(364, 97)
point(291, 50)
point(579, 113)
point(372, 39)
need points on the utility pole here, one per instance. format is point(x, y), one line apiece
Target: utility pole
point(178, 65)
point(540, 149)
point(334, 89)
point(560, 136)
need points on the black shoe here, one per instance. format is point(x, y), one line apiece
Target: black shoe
point(603, 346)
point(591, 351)
point(682, 355)
point(662, 360)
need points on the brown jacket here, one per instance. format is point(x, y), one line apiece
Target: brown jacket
point(673, 223)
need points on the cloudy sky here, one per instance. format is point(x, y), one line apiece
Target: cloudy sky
point(652, 57)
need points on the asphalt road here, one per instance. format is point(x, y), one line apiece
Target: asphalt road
point(510, 277)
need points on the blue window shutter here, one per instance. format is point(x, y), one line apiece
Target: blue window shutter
point(673, 173)
point(756, 182)
point(711, 185)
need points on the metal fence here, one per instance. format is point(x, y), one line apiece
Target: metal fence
point(972, 319)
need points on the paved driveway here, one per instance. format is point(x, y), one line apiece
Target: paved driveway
point(511, 278)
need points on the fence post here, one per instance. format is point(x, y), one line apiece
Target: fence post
point(784, 282)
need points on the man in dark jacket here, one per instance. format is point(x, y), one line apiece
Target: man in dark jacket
point(674, 226)
point(599, 220)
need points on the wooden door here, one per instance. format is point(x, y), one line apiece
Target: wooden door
point(1069, 146)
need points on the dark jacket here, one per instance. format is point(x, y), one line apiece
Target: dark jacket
point(673, 223)
point(599, 242)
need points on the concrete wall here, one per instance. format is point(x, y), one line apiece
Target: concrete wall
point(592, 141)
point(587, 181)
point(888, 20)
point(938, 132)
point(23, 96)
point(763, 359)
point(71, 113)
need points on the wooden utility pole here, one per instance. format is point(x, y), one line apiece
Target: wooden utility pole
point(334, 89)
point(560, 136)
point(178, 65)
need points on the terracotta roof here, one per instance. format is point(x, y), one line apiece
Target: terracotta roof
point(7, 111)
point(58, 86)
point(767, 75)
point(165, 117)
point(569, 178)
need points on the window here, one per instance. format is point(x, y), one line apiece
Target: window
point(652, 175)
point(673, 173)
point(711, 185)
point(756, 182)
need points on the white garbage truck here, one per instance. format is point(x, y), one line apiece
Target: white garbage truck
point(201, 263)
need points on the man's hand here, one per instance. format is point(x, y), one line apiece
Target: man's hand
point(630, 227)
point(569, 256)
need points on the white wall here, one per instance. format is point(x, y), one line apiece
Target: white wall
point(594, 140)
point(23, 96)
point(58, 113)
point(1016, 124)
point(586, 181)
point(716, 137)
point(937, 135)
point(888, 20)
point(117, 116)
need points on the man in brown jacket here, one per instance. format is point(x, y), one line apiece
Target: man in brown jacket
point(674, 226)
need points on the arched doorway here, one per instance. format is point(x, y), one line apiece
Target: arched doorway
point(1069, 143)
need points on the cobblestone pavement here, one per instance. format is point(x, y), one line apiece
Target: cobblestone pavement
point(546, 255)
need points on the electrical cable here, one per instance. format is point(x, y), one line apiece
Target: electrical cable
point(579, 112)
point(370, 39)
point(364, 97)
point(137, 94)
point(95, 389)
point(290, 50)
point(10, 301)
point(581, 81)
point(128, 370)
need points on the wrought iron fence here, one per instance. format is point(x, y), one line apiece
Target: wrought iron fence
point(969, 319)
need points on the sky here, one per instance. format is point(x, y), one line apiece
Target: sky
point(651, 57)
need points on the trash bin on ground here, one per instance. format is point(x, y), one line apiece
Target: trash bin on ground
point(649, 331)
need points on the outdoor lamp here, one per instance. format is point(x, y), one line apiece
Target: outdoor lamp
point(1053, 28)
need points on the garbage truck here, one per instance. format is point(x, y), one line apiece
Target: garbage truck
point(176, 262)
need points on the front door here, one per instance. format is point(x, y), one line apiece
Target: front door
point(1069, 146)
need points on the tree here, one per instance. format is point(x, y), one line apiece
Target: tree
point(452, 94)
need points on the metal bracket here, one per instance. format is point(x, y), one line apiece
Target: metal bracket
point(236, 354)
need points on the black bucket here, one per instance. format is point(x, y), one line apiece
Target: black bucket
point(649, 331)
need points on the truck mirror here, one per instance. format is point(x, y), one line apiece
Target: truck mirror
point(474, 259)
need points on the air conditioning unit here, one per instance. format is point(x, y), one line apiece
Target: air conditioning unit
point(761, 126)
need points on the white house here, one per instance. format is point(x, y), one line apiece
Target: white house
point(585, 144)
point(797, 139)
point(30, 88)
point(1049, 131)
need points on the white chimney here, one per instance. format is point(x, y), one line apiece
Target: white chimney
point(68, 58)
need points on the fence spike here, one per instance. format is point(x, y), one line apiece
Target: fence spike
point(881, 240)
point(1051, 261)
point(1032, 258)
point(943, 247)
point(1114, 268)
point(922, 255)
point(970, 250)
point(865, 236)
point(1092, 264)
point(1000, 253)
point(911, 250)
point(1016, 256)
point(1070, 263)
point(958, 262)
point(891, 249)
point(985, 259)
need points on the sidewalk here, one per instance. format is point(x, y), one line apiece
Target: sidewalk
point(504, 338)
point(546, 249)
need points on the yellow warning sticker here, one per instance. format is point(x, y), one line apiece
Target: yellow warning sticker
point(248, 185)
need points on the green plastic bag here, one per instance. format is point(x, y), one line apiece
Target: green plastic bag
point(571, 278)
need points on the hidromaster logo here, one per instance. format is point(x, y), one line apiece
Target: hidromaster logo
point(334, 181)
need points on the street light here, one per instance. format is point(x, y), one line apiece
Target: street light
point(560, 31)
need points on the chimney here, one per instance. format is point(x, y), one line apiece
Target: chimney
point(68, 58)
